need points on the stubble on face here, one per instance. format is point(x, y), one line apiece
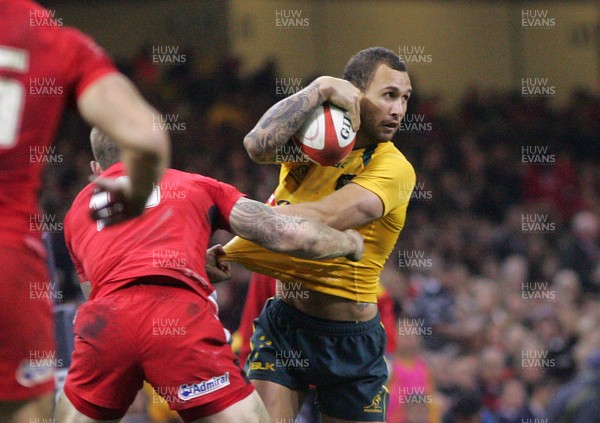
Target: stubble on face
point(377, 123)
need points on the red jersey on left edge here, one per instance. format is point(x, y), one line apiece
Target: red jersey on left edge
point(169, 239)
point(43, 68)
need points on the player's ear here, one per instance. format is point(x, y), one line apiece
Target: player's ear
point(96, 168)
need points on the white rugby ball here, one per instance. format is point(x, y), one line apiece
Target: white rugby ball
point(327, 136)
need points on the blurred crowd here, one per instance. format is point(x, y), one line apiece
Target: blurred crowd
point(496, 276)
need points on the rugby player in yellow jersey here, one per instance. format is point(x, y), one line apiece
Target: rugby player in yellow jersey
point(323, 327)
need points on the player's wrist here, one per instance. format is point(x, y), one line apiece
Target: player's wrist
point(324, 88)
point(145, 173)
point(355, 245)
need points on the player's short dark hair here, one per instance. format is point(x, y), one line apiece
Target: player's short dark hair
point(361, 67)
point(105, 150)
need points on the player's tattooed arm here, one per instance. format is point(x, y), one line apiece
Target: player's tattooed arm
point(293, 235)
point(280, 122)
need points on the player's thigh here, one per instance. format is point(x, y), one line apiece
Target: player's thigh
point(187, 356)
point(105, 375)
point(352, 371)
point(67, 413)
point(27, 411)
point(249, 410)
point(281, 402)
point(282, 388)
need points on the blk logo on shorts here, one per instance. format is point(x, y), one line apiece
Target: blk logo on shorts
point(194, 390)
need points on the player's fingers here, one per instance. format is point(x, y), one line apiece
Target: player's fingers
point(224, 276)
point(112, 187)
point(102, 212)
point(114, 220)
point(109, 212)
point(218, 250)
point(111, 208)
point(102, 183)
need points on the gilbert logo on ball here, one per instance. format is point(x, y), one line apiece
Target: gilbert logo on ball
point(327, 136)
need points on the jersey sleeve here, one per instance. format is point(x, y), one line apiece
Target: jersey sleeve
point(389, 176)
point(85, 62)
point(224, 196)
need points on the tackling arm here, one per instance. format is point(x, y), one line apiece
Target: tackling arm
point(308, 239)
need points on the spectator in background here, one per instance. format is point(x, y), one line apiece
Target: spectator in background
point(557, 341)
point(579, 401)
point(468, 408)
point(512, 403)
point(581, 252)
point(540, 399)
point(555, 184)
point(416, 412)
point(436, 307)
point(464, 369)
point(493, 372)
point(411, 385)
point(509, 238)
point(568, 288)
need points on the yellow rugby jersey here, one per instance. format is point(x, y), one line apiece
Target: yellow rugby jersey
point(381, 169)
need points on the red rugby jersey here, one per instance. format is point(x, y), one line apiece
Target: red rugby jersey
point(169, 239)
point(43, 68)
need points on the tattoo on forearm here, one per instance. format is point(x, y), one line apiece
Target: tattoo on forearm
point(259, 223)
point(281, 121)
point(254, 221)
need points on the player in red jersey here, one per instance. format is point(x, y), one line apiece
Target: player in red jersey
point(45, 67)
point(152, 314)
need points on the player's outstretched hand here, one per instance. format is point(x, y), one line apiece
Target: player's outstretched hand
point(121, 202)
point(217, 271)
point(359, 241)
point(344, 94)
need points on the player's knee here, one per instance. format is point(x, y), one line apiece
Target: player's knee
point(249, 410)
point(65, 411)
point(262, 416)
point(253, 407)
point(43, 405)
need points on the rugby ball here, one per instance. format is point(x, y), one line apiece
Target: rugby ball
point(326, 137)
